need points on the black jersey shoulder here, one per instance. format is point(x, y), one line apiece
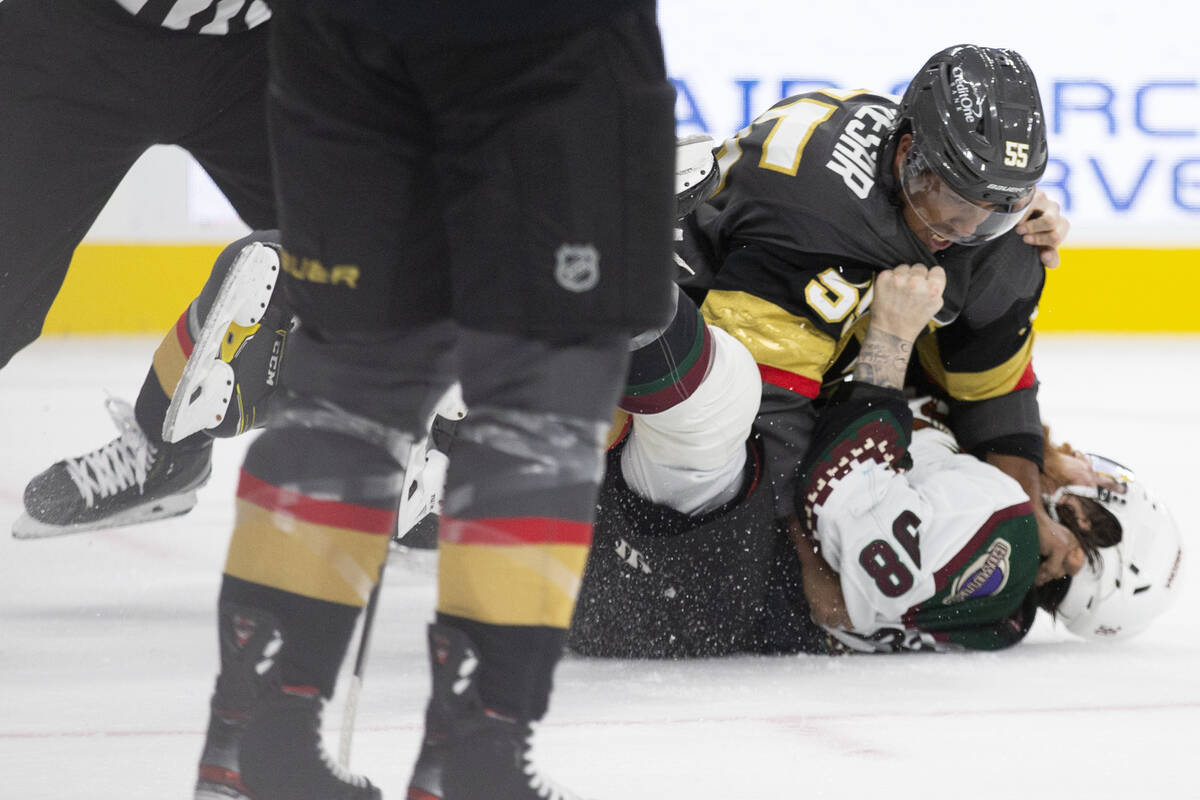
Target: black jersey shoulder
point(804, 177)
point(993, 281)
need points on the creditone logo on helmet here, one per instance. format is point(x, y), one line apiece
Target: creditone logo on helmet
point(987, 575)
point(968, 95)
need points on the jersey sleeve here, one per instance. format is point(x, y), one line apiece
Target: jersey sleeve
point(983, 360)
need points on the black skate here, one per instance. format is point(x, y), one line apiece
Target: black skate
point(125, 482)
point(235, 362)
point(470, 752)
point(264, 739)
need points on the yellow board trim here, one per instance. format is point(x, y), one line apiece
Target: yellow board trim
point(510, 584)
point(1122, 290)
point(143, 288)
point(338, 565)
point(130, 288)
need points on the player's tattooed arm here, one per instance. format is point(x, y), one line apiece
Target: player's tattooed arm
point(883, 360)
point(906, 298)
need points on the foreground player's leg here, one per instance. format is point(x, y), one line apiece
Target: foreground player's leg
point(317, 503)
point(314, 512)
point(224, 387)
point(514, 537)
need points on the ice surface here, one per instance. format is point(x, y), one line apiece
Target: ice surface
point(108, 645)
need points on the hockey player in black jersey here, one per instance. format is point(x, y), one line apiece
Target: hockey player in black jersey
point(444, 218)
point(817, 196)
point(827, 188)
point(124, 75)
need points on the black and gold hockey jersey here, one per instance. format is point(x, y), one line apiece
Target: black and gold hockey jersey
point(806, 214)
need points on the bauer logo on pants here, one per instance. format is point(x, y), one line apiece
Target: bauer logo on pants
point(577, 267)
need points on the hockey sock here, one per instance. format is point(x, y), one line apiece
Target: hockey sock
point(517, 664)
point(316, 633)
point(162, 378)
point(315, 510)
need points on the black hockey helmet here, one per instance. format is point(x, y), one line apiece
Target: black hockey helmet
point(977, 123)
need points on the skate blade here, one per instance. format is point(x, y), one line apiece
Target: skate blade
point(26, 527)
point(241, 300)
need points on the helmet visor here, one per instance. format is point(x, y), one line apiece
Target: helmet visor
point(1107, 468)
point(947, 213)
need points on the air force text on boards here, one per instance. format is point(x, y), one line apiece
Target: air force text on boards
point(1122, 148)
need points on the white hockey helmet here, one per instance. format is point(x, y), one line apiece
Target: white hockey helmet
point(1134, 581)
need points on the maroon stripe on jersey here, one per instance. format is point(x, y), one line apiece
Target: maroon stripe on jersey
point(514, 531)
point(790, 381)
point(331, 513)
point(971, 549)
point(181, 334)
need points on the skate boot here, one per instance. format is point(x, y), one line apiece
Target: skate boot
point(235, 360)
point(125, 482)
point(264, 739)
point(471, 752)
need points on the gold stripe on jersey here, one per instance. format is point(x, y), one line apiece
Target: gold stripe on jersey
point(973, 386)
point(338, 565)
point(510, 584)
point(841, 95)
point(774, 336)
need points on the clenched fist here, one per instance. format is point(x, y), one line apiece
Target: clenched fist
point(906, 298)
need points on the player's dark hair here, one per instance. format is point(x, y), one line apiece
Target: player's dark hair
point(1103, 531)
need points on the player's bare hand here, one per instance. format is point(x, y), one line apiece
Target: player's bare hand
point(822, 586)
point(1044, 227)
point(906, 298)
point(1061, 553)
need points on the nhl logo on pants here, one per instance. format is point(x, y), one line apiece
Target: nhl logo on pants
point(577, 267)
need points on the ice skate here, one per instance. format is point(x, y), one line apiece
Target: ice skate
point(264, 739)
point(125, 482)
point(235, 360)
point(470, 752)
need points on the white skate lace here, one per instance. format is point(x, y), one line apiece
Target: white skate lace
point(545, 788)
point(335, 767)
point(339, 771)
point(118, 465)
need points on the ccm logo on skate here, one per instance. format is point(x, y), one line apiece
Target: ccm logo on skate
point(313, 271)
point(273, 361)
